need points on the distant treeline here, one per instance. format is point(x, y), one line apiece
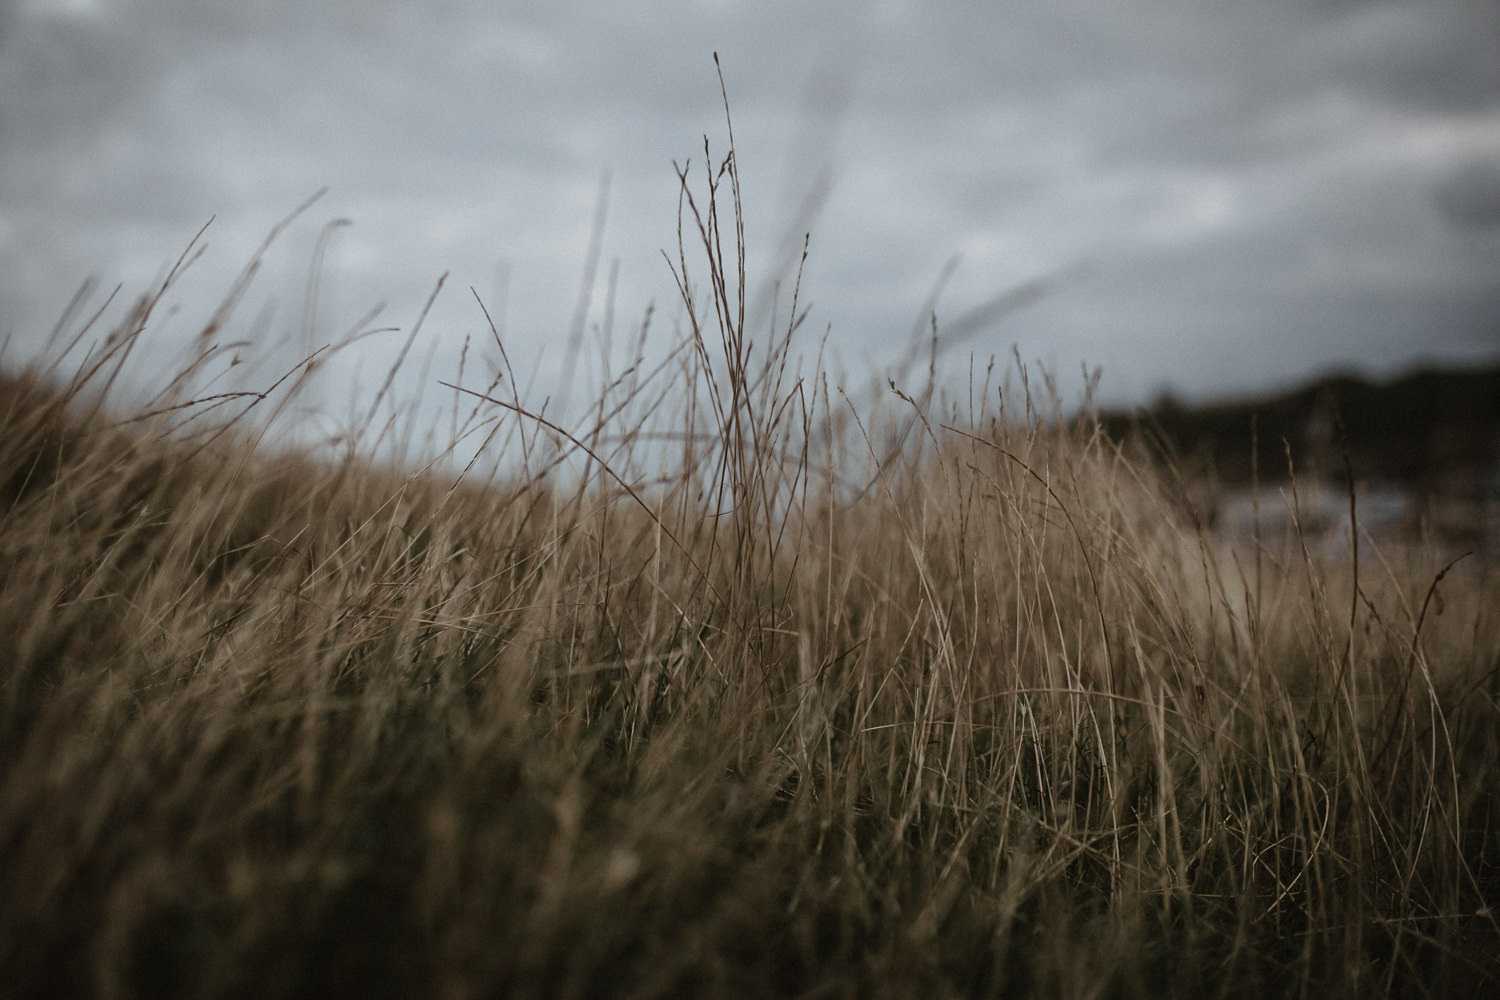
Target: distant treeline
point(1431, 432)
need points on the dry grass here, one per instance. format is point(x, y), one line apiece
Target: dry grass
point(907, 698)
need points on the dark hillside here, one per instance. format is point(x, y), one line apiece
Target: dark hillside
point(1424, 450)
point(1431, 432)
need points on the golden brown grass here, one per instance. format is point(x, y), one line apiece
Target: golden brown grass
point(906, 698)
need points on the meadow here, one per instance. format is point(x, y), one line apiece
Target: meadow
point(741, 685)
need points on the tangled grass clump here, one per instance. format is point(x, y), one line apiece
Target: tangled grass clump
point(898, 700)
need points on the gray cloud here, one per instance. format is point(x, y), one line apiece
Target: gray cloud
point(1469, 196)
point(1262, 189)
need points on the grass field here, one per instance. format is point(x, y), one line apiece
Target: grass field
point(765, 690)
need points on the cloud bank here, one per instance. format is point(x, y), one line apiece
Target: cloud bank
point(1256, 192)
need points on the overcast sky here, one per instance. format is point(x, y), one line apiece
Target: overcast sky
point(1240, 194)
